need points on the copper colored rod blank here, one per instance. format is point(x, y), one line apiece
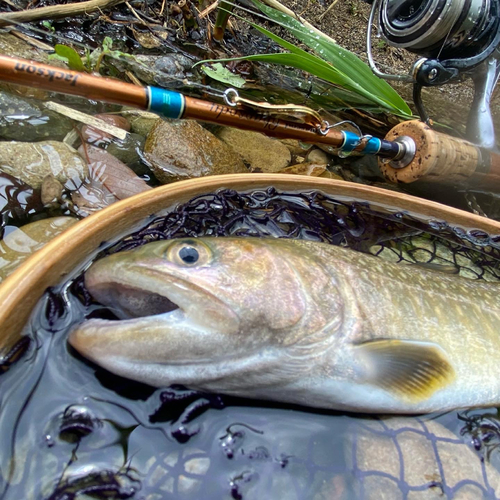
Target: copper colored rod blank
point(51, 78)
point(198, 109)
point(172, 104)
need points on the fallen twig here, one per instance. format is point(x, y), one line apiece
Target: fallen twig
point(87, 119)
point(331, 6)
point(55, 11)
point(278, 6)
point(208, 9)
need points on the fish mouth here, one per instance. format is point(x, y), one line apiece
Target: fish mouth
point(128, 302)
point(163, 318)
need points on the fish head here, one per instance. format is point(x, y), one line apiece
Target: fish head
point(197, 310)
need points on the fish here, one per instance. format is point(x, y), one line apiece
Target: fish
point(296, 322)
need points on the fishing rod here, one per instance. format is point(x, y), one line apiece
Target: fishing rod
point(236, 112)
point(410, 151)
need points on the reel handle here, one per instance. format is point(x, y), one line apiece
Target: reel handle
point(441, 158)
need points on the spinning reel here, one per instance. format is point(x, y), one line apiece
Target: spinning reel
point(456, 38)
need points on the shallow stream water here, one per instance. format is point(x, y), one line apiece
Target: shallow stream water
point(71, 430)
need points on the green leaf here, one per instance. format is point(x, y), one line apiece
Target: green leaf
point(222, 74)
point(48, 25)
point(71, 56)
point(342, 60)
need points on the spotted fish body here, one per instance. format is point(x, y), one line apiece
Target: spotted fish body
point(295, 321)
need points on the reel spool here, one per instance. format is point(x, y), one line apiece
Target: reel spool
point(456, 38)
point(454, 30)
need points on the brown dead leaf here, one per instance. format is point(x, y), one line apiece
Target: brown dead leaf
point(119, 180)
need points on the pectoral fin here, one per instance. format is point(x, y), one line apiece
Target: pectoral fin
point(411, 370)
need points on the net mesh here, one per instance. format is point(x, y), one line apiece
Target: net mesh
point(170, 446)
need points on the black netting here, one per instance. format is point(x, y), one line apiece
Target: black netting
point(76, 431)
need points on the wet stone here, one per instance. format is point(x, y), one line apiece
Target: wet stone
point(182, 149)
point(261, 153)
point(296, 147)
point(129, 150)
point(165, 71)
point(382, 453)
point(26, 119)
point(90, 197)
point(22, 242)
point(15, 47)
point(32, 162)
point(318, 156)
point(51, 190)
point(143, 122)
point(306, 168)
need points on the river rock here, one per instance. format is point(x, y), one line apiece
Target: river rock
point(261, 153)
point(296, 147)
point(32, 162)
point(15, 47)
point(306, 168)
point(27, 120)
point(129, 150)
point(318, 156)
point(327, 174)
point(417, 459)
point(181, 149)
point(166, 71)
point(19, 244)
point(142, 122)
point(51, 190)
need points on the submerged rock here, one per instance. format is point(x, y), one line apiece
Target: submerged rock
point(166, 71)
point(51, 190)
point(414, 458)
point(15, 47)
point(129, 150)
point(142, 122)
point(32, 162)
point(318, 156)
point(27, 120)
point(261, 153)
point(19, 244)
point(181, 149)
point(306, 168)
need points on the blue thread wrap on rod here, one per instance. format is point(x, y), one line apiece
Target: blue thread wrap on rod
point(166, 103)
point(351, 141)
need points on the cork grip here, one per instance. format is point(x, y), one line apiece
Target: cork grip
point(438, 157)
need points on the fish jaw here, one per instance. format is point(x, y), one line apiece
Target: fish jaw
point(198, 323)
point(176, 352)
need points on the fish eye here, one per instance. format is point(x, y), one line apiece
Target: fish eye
point(189, 253)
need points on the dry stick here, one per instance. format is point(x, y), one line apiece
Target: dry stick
point(208, 9)
point(331, 6)
point(278, 6)
point(56, 11)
